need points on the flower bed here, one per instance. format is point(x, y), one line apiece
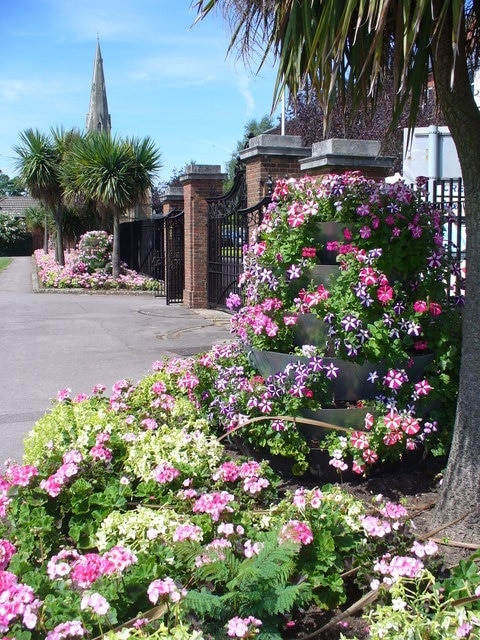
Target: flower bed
point(129, 519)
point(384, 306)
point(89, 267)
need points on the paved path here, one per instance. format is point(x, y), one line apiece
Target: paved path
point(53, 340)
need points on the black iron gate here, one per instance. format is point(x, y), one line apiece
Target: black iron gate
point(174, 256)
point(155, 248)
point(229, 225)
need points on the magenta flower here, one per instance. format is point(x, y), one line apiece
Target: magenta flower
point(423, 388)
point(420, 306)
point(395, 378)
point(385, 293)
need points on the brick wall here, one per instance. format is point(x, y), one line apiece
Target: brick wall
point(198, 183)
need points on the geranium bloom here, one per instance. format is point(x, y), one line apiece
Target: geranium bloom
point(251, 549)
point(7, 549)
point(242, 627)
point(165, 472)
point(159, 387)
point(165, 590)
point(214, 504)
point(376, 527)
point(188, 532)
point(72, 629)
point(20, 475)
point(96, 602)
point(309, 252)
point(296, 531)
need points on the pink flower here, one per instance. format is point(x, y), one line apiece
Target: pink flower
point(159, 387)
point(394, 511)
point(368, 276)
point(420, 306)
point(251, 549)
point(410, 426)
point(296, 531)
point(165, 590)
point(359, 440)
point(370, 456)
point(165, 472)
point(358, 467)
point(187, 532)
point(242, 627)
point(385, 293)
point(96, 602)
point(296, 216)
point(214, 504)
point(72, 629)
point(150, 424)
point(435, 309)
point(18, 475)
point(309, 252)
point(376, 527)
point(81, 397)
point(395, 378)
point(63, 394)
point(369, 421)
point(7, 549)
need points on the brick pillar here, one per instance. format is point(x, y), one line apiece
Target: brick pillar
point(338, 155)
point(171, 200)
point(199, 182)
point(271, 155)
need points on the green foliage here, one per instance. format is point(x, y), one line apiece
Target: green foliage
point(14, 238)
point(265, 585)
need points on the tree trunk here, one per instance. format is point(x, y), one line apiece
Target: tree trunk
point(45, 235)
point(460, 489)
point(116, 246)
point(59, 253)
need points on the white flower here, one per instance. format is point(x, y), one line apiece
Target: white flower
point(398, 604)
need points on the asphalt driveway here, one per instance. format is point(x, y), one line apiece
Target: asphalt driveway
point(49, 341)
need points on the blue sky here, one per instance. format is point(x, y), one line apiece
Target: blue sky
point(165, 78)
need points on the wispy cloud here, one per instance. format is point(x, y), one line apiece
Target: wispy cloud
point(243, 84)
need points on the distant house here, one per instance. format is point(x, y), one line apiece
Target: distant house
point(16, 205)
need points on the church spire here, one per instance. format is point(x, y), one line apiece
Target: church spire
point(98, 118)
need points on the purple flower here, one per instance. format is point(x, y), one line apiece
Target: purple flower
point(316, 364)
point(350, 323)
point(331, 371)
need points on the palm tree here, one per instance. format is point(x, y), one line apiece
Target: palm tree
point(38, 163)
point(114, 173)
point(346, 47)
